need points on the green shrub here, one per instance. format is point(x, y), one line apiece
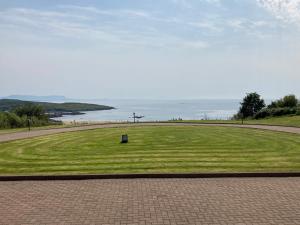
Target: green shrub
point(34, 114)
point(267, 112)
point(263, 114)
point(31, 110)
point(14, 120)
point(283, 111)
point(4, 121)
point(289, 101)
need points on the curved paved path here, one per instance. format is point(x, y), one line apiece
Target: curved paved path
point(36, 133)
point(223, 201)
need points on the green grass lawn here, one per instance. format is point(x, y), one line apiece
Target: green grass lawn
point(153, 150)
point(292, 121)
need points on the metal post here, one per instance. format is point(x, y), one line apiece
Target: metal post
point(242, 118)
point(28, 123)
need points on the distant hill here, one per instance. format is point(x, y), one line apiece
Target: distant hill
point(54, 109)
point(50, 98)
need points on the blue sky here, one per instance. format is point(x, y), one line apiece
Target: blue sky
point(150, 49)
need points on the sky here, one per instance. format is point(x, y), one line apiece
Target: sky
point(147, 49)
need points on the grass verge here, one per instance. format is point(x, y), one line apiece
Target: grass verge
point(289, 121)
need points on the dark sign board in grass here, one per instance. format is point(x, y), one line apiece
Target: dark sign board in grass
point(153, 150)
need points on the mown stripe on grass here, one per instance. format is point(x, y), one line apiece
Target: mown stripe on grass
point(153, 149)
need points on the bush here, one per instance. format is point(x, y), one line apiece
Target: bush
point(283, 111)
point(263, 114)
point(31, 110)
point(237, 116)
point(289, 101)
point(20, 118)
point(267, 112)
point(14, 121)
point(4, 121)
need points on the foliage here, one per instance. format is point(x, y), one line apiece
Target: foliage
point(251, 105)
point(237, 116)
point(267, 112)
point(31, 110)
point(13, 104)
point(29, 113)
point(289, 101)
point(14, 120)
point(263, 113)
point(284, 106)
point(10, 120)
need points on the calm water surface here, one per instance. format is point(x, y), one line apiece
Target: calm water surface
point(155, 110)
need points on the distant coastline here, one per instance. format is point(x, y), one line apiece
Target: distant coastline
point(54, 110)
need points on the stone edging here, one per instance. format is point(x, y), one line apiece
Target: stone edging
point(145, 176)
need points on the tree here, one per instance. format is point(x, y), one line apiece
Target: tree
point(251, 105)
point(31, 110)
point(289, 101)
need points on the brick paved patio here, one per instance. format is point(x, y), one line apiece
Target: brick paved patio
point(152, 201)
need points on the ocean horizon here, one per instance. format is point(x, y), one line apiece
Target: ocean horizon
point(158, 110)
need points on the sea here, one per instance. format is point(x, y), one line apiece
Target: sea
point(158, 110)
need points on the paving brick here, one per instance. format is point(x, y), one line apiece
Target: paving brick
point(152, 201)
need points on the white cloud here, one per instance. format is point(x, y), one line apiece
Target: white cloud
point(182, 3)
point(25, 23)
point(248, 24)
point(41, 14)
point(236, 23)
point(188, 4)
point(117, 12)
point(126, 27)
point(89, 9)
point(285, 10)
point(43, 23)
point(206, 25)
point(196, 44)
point(217, 2)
